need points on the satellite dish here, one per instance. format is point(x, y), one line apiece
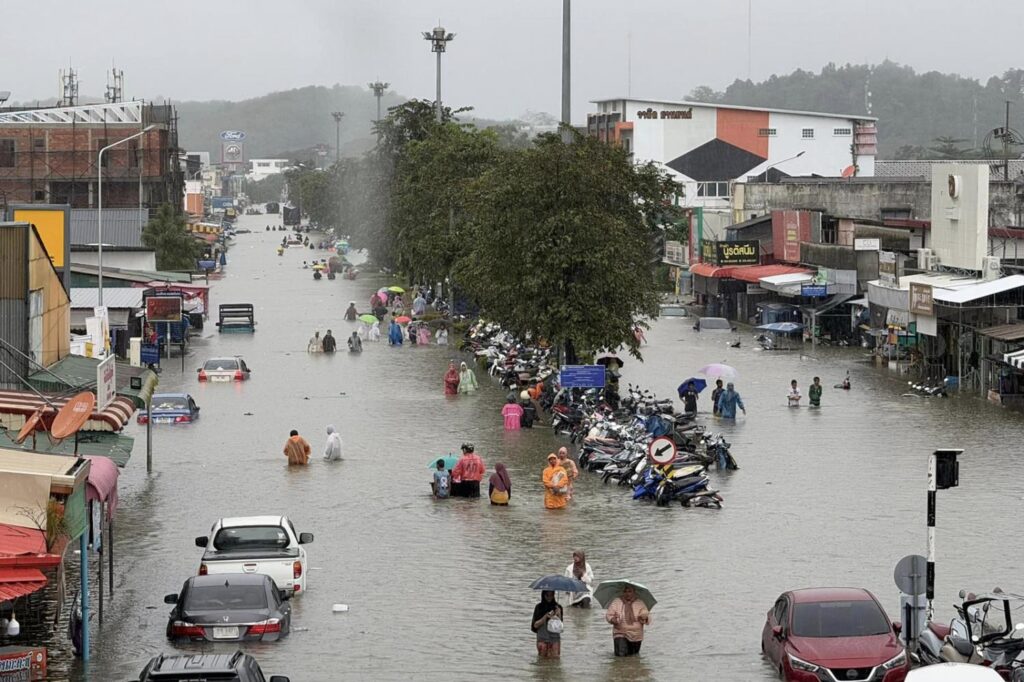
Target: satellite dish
point(73, 415)
point(30, 425)
point(849, 171)
point(4, 95)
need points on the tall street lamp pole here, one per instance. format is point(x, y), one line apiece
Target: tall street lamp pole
point(779, 163)
point(99, 210)
point(566, 62)
point(378, 92)
point(438, 42)
point(337, 134)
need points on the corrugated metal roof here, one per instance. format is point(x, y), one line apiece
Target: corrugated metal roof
point(118, 297)
point(121, 226)
point(17, 582)
point(1004, 332)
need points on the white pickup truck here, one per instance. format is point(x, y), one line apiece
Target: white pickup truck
point(257, 544)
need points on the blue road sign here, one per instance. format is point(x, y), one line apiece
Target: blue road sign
point(816, 290)
point(149, 354)
point(581, 376)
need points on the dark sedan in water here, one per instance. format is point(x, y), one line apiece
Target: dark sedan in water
point(229, 607)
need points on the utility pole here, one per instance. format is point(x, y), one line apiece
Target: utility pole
point(438, 43)
point(378, 92)
point(337, 135)
point(1007, 137)
point(566, 63)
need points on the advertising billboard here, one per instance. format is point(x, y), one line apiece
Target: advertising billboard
point(163, 309)
point(921, 302)
point(106, 382)
point(730, 253)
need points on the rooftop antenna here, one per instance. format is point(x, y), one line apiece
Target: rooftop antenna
point(115, 89)
point(867, 91)
point(68, 87)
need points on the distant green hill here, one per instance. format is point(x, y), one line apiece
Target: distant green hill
point(290, 124)
point(913, 108)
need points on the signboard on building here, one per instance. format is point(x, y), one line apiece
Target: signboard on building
point(814, 290)
point(789, 228)
point(163, 309)
point(581, 376)
point(232, 135)
point(675, 253)
point(221, 203)
point(22, 664)
point(867, 244)
point(888, 266)
point(106, 382)
point(730, 253)
point(53, 223)
point(921, 302)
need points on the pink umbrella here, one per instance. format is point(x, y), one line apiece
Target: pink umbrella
point(718, 369)
point(402, 319)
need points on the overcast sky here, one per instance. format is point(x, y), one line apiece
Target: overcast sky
point(506, 56)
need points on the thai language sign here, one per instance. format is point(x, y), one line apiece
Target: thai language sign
point(730, 253)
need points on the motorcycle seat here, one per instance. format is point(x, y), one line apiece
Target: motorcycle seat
point(941, 631)
point(957, 650)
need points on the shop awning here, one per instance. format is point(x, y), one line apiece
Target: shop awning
point(113, 446)
point(19, 541)
point(17, 582)
point(972, 292)
point(754, 273)
point(1004, 332)
point(101, 486)
point(711, 270)
point(788, 284)
point(77, 372)
point(17, 406)
point(862, 302)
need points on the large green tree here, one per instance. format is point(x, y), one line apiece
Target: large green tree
point(428, 197)
point(560, 240)
point(168, 235)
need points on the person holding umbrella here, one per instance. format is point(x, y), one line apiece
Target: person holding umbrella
point(715, 395)
point(688, 392)
point(628, 613)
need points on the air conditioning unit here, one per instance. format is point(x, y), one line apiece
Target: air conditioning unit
point(926, 259)
point(991, 268)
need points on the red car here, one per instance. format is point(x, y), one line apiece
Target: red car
point(833, 634)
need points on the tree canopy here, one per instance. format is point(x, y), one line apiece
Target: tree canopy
point(168, 235)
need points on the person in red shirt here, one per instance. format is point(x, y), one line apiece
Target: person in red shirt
point(468, 473)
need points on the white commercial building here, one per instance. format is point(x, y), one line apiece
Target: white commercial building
point(709, 148)
point(263, 168)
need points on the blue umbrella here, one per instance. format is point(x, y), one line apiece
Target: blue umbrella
point(449, 462)
point(698, 384)
point(782, 327)
point(559, 583)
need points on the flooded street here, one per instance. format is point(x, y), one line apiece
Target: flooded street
point(439, 590)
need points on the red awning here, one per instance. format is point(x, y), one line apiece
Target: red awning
point(17, 582)
point(18, 541)
point(113, 418)
point(754, 273)
point(710, 270)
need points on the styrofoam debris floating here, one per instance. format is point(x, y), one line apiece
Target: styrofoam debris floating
point(340, 608)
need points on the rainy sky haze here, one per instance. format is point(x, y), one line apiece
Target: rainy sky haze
point(505, 58)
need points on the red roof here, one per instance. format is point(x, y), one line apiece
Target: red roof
point(17, 582)
point(115, 416)
point(754, 273)
point(16, 541)
point(710, 270)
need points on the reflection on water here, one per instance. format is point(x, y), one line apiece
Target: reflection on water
point(438, 590)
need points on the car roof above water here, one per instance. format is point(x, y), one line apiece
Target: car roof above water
point(229, 578)
point(166, 666)
point(826, 594)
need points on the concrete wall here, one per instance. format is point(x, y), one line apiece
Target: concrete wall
point(959, 234)
point(126, 260)
point(50, 313)
point(865, 198)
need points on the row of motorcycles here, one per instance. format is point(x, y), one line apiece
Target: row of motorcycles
point(613, 432)
point(986, 631)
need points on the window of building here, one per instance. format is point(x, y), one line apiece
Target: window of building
point(829, 230)
point(134, 153)
point(715, 189)
point(896, 214)
point(39, 195)
point(766, 132)
point(39, 144)
point(7, 154)
point(626, 144)
point(842, 132)
point(807, 133)
point(262, 164)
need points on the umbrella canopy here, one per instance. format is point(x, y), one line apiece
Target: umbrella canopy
point(397, 290)
point(607, 591)
point(717, 369)
point(383, 291)
point(449, 462)
point(402, 319)
point(608, 359)
point(698, 384)
point(559, 583)
point(368, 318)
point(782, 327)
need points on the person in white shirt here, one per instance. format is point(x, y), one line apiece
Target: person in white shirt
point(794, 394)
